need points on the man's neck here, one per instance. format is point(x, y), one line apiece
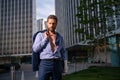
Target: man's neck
point(52, 32)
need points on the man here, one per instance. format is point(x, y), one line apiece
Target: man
point(50, 45)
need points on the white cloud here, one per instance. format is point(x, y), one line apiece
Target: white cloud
point(44, 8)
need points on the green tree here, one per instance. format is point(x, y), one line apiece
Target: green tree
point(92, 19)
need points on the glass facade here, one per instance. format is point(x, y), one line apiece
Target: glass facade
point(68, 22)
point(65, 11)
point(114, 42)
point(102, 27)
point(41, 24)
point(17, 18)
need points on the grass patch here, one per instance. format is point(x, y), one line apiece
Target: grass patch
point(95, 73)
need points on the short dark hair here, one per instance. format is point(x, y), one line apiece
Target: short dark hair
point(52, 17)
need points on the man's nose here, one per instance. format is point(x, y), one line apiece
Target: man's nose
point(52, 24)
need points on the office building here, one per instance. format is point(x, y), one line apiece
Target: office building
point(65, 11)
point(41, 24)
point(17, 25)
point(68, 22)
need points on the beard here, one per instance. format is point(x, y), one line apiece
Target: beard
point(51, 29)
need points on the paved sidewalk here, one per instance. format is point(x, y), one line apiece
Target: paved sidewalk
point(26, 73)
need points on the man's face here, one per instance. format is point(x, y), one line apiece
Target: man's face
point(51, 24)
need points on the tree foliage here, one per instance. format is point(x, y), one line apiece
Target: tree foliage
point(92, 16)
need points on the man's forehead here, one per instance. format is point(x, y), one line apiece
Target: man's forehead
point(51, 20)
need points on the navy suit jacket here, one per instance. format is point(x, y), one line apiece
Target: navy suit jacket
point(35, 56)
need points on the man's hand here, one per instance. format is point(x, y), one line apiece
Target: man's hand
point(46, 34)
point(52, 37)
point(65, 66)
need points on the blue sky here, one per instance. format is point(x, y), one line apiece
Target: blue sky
point(44, 8)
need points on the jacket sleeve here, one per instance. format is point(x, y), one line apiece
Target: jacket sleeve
point(36, 49)
point(63, 51)
point(35, 61)
point(64, 56)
